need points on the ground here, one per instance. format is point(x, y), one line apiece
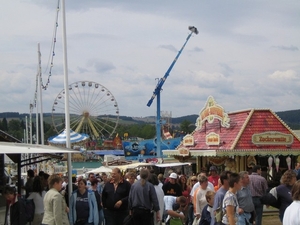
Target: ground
point(271, 220)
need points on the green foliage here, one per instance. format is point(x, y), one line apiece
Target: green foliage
point(4, 124)
point(15, 129)
point(186, 127)
point(145, 131)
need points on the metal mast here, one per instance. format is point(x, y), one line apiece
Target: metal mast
point(157, 90)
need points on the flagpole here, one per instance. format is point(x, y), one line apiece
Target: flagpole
point(66, 88)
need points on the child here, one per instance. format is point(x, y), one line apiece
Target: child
point(207, 210)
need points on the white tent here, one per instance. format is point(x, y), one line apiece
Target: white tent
point(132, 166)
point(101, 169)
point(21, 148)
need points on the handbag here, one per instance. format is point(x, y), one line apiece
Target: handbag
point(219, 215)
point(196, 221)
point(175, 221)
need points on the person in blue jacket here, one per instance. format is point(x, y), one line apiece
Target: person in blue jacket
point(83, 209)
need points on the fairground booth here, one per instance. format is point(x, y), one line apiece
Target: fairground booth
point(236, 141)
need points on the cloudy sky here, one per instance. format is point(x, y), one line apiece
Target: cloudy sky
point(246, 54)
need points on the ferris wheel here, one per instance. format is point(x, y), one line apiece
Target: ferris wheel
point(93, 110)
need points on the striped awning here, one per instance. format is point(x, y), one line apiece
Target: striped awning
point(74, 138)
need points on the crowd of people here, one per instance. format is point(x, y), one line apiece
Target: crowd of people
point(211, 198)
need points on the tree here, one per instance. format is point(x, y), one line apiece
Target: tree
point(23, 125)
point(185, 126)
point(4, 124)
point(15, 129)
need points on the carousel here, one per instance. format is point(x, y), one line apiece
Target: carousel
point(236, 141)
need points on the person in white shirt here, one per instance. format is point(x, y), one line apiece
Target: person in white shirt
point(37, 194)
point(197, 185)
point(160, 196)
point(291, 214)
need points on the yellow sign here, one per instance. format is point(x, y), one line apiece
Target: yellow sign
point(184, 151)
point(272, 138)
point(210, 112)
point(212, 139)
point(188, 140)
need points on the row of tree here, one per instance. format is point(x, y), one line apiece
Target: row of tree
point(17, 128)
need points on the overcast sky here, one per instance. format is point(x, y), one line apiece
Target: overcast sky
point(246, 54)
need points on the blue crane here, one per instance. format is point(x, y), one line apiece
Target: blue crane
point(157, 90)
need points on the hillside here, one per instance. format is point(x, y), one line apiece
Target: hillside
point(290, 117)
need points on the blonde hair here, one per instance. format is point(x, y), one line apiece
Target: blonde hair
point(209, 195)
point(54, 178)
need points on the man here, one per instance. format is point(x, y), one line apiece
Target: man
point(104, 180)
point(91, 176)
point(174, 207)
point(224, 178)
point(115, 198)
point(196, 186)
point(258, 187)
point(142, 199)
point(214, 177)
point(199, 197)
point(246, 206)
point(172, 187)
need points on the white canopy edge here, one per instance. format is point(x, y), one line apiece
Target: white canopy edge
point(21, 148)
point(171, 164)
point(192, 152)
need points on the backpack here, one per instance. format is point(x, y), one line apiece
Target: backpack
point(29, 209)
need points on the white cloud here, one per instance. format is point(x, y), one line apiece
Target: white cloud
point(244, 56)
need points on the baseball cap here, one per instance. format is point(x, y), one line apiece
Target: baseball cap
point(173, 175)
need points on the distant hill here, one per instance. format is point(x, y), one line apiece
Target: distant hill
point(290, 117)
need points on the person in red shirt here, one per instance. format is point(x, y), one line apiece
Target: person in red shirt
point(214, 177)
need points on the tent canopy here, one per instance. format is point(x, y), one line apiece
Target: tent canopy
point(21, 148)
point(74, 138)
point(101, 169)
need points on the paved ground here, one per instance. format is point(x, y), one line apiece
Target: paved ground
point(269, 218)
point(2, 215)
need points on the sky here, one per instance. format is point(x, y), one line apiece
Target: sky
point(246, 54)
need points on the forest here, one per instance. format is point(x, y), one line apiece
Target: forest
point(13, 123)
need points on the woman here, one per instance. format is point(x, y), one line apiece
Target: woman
point(83, 206)
point(37, 195)
point(160, 196)
point(94, 185)
point(230, 203)
point(291, 214)
point(184, 187)
point(15, 207)
point(54, 204)
point(283, 192)
point(191, 182)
